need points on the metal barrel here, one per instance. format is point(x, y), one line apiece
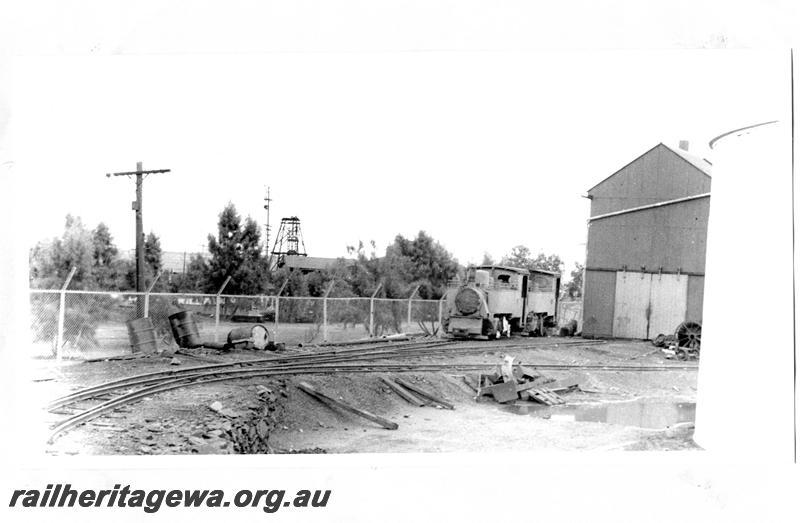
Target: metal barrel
point(142, 335)
point(249, 337)
point(184, 329)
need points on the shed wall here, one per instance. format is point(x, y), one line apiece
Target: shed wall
point(694, 301)
point(598, 303)
point(672, 238)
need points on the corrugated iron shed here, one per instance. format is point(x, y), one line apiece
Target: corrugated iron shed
point(647, 240)
point(311, 263)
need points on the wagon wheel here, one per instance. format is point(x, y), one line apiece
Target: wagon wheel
point(688, 335)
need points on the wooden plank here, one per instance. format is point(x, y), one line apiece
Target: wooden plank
point(116, 358)
point(571, 388)
point(424, 393)
point(309, 389)
point(555, 398)
point(544, 396)
point(564, 383)
point(403, 393)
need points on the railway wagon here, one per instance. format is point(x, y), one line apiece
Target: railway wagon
point(496, 300)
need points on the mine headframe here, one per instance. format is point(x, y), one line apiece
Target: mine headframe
point(289, 241)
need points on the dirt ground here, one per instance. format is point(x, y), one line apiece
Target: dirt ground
point(614, 410)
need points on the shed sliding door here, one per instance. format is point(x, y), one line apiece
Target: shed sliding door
point(668, 299)
point(646, 305)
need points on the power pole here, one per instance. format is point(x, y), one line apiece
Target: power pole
point(137, 207)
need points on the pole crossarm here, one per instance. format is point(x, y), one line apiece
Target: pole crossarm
point(134, 173)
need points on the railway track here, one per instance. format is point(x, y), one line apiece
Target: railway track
point(363, 359)
point(415, 349)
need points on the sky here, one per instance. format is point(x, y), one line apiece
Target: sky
point(480, 123)
point(483, 150)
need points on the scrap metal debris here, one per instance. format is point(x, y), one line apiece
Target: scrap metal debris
point(684, 344)
point(511, 382)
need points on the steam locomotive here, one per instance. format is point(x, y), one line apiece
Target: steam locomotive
point(497, 301)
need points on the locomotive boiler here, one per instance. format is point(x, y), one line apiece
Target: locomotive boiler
point(496, 301)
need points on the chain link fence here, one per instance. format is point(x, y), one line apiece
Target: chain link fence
point(88, 324)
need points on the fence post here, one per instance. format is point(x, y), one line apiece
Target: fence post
point(147, 295)
point(372, 310)
point(277, 309)
point(216, 314)
point(61, 311)
point(408, 319)
point(441, 325)
point(325, 312)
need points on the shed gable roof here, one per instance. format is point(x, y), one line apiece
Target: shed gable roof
point(701, 165)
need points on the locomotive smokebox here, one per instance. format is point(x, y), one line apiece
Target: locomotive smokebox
point(468, 301)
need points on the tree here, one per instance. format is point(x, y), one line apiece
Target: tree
point(126, 269)
point(105, 266)
point(235, 252)
point(152, 253)
point(487, 259)
point(195, 277)
point(422, 261)
point(104, 249)
point(574, 288)
point(365, 275)
point(520, 256)
point(51, 261)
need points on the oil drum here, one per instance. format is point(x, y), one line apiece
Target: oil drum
point(184, 329)
point(142, 335)
point(249, 337)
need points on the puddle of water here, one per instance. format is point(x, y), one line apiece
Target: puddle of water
point(649, 414)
